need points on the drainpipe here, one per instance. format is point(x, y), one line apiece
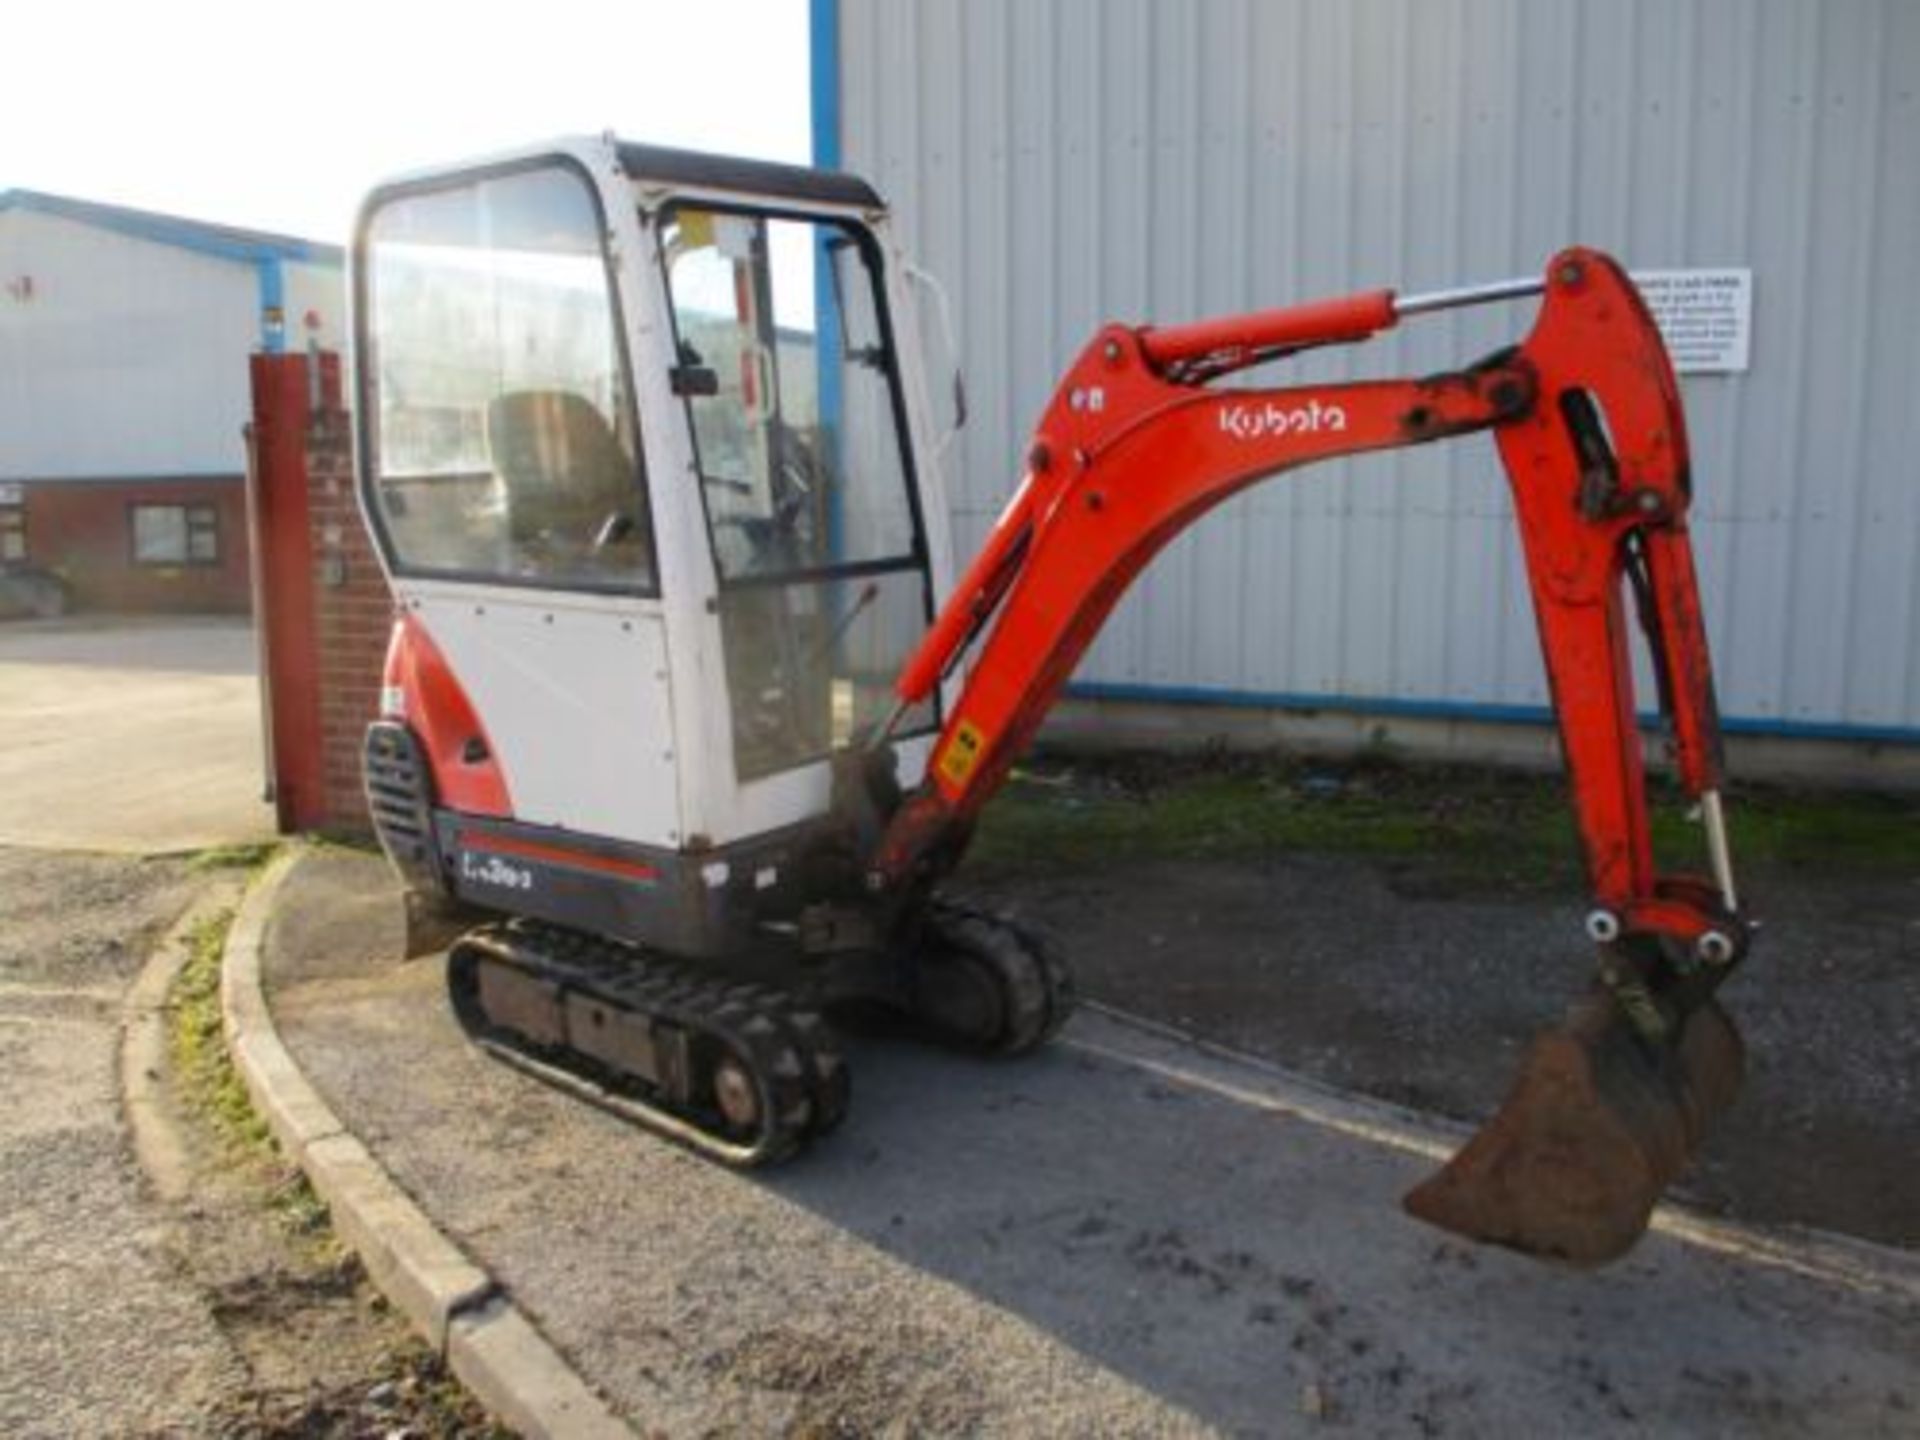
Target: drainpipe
point(273, 302)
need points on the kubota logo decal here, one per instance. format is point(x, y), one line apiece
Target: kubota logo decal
point(1254, 422)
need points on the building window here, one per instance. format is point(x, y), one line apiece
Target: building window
point(13, 533)
point(176, 535)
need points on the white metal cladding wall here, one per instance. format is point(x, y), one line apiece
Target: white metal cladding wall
point(124, 356)
point(1061, 164)
point(127, 357)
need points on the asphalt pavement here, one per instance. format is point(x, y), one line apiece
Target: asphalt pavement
point(1127, 1234)
point(134, 736)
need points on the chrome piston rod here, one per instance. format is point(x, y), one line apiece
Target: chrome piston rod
point(1719, 853)
point(1464, 295)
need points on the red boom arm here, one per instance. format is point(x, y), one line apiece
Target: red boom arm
point(1135, 446)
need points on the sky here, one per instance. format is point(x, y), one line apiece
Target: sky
point(281, 116)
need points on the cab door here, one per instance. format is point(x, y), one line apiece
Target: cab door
point(788, 369)
point(504, 482)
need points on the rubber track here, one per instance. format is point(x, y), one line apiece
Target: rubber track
point(830, 1079)
point(1035, 985)
point(790, 1050)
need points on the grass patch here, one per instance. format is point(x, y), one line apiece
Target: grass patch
point(1458, 825)
point(230, 857)
point(210, 1086)
point(347, 842)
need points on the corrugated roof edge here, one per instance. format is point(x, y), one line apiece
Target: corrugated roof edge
point(229, 242)
point(730, 172)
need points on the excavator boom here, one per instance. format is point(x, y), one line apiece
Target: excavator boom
point(1138, 442)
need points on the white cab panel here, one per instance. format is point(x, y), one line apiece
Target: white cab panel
point(756, 807)
point(577, 703)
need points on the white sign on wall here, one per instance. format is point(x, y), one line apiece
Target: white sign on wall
point(1705, 316)
point(12, 493)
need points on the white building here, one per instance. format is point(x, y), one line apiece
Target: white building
point(1063, 163)
point(124, 339)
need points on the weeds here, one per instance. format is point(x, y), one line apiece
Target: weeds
point(1460, 826)
point(211, 1087)
point(230, 857)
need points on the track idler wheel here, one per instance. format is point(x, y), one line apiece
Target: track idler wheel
point(986, 983)
point(1599, 1122)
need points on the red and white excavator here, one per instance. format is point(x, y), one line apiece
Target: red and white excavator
point(683, 688)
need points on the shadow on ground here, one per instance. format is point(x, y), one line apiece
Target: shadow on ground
point(1120, 1236)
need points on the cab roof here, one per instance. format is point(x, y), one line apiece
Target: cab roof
point(730, 172)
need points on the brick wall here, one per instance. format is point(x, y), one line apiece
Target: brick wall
point(82, 530)
point(325, 604)
point(353, 610)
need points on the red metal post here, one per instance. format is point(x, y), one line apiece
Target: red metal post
point(279, 504)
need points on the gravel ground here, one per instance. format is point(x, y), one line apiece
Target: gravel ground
point(229, 1316)
point(101, 1336)
point(130, 736)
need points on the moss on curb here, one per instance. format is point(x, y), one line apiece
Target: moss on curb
point(210, 1085)
point(231, 857)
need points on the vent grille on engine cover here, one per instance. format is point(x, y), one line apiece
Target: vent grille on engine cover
point(399, 796)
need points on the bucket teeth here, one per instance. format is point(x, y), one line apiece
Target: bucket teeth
point(1598, 1124)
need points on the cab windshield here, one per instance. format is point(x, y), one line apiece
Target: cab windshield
point(784, 356)
point(504, 447)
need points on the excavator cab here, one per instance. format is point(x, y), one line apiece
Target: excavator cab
point(647, 457)
point(683, 688)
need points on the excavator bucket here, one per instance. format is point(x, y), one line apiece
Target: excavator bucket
point(1599, 1122)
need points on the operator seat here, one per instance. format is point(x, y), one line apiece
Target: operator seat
point(573, 492)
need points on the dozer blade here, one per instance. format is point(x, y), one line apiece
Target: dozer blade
point(434, 922)
point(1599, 1122)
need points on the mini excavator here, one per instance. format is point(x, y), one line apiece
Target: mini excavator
point(683, 692)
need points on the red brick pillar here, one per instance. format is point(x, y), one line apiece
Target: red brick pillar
point(353, 606)
point(323, 603)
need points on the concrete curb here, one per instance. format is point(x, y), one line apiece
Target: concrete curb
point(461, 1309)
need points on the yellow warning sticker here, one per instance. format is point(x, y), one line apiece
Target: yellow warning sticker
point(696, 228)
point(962, 753)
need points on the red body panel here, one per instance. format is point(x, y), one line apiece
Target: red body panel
point(1351, 317)
point(466, 772)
